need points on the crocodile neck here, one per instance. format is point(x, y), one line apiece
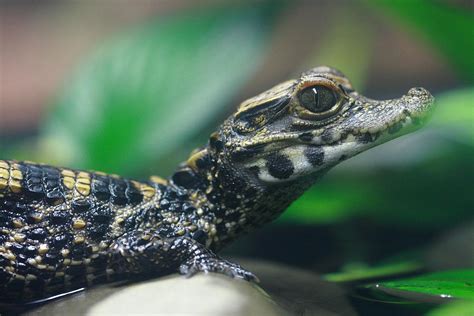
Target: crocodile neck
point(231, 198)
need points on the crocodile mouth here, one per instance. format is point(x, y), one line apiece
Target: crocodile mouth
point(386, 120)
point(400, 126)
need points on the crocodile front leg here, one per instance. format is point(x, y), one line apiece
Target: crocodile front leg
point(143, 251)
point(200, 259)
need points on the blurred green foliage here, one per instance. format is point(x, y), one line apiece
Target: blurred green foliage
point(120, 111)
point(445, 26)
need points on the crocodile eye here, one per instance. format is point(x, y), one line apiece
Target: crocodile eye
point(318, 99)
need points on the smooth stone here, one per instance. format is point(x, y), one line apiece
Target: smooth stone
point(283, 291)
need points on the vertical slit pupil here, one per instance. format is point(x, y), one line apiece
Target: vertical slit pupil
point(318, 98)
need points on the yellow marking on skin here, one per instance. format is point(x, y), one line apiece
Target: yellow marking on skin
point(32, 262)
point(79, 239)
point(19, 237)
point(79, 224)
point(83, 189)
point(68, 173)
point(9, 256)
point(147, 191)
point(30, 277)
point(15, 186)
point(120, 220)
point(3, 184)
point(4, 174)
point(16, 174)
point(69, 182)
point(84, 180)
point(146, 236)
point(19, 277)
point(83, 183)
point(191, 162)
point(17, 223)
point(65, 252)
point(4, 164)
point(36, 218)
point(83, 174)
point(51, 268)
point(43, 248)
point(159, 180)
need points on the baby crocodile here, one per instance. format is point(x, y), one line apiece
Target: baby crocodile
point(62, 229)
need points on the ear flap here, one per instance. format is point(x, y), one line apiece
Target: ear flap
point(263, 113)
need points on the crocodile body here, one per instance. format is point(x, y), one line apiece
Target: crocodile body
point(62, 229)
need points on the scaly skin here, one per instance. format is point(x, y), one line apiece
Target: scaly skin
point(62, 229)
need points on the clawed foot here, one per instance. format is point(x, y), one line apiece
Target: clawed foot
point(218, 266)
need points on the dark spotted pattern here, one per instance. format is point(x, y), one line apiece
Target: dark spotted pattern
point(315, 155)
point(279, 166)
point(327, 136)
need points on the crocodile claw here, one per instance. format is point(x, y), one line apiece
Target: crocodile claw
point(217, 266)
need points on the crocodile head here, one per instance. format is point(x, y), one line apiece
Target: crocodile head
point(307, 125)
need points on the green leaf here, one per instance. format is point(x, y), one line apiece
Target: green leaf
point(362, 272)
point(142, 95)
point(448, 27)
point(461, 308)
point(441, 285)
